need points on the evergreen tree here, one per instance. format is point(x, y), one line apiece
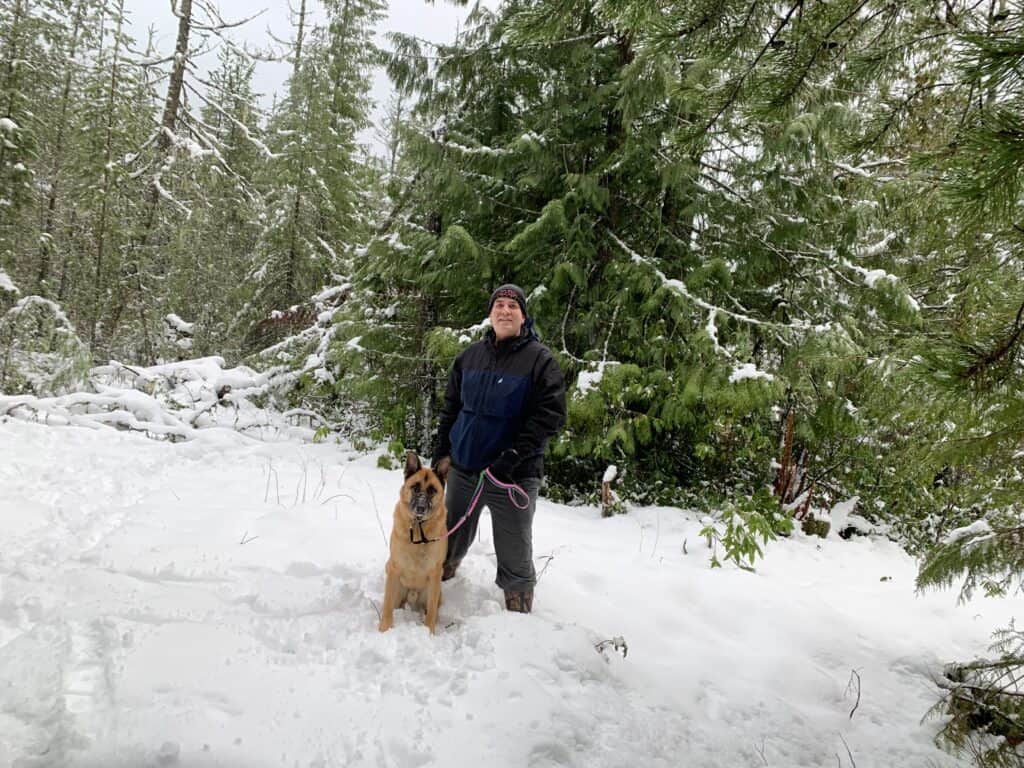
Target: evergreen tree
point(119, 106)
point(590, 152)
point(171, 162)
point(971, 361)
point(315, 183)
point(34, 35)
point(214, 249)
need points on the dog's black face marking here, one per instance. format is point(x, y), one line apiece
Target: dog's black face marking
point(421, 499)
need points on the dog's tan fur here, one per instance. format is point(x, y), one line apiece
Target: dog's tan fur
point(413, 572)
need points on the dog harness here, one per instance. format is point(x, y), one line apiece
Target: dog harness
point(515, 494)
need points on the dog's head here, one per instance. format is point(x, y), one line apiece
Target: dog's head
point(423, 490)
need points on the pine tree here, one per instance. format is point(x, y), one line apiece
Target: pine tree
point(313, 192)
point(214, 249)
point(179, 147)
point(120, 108)
point(970, 361)
point(33, 38)
point(589, 152)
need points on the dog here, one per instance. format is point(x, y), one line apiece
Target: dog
point(419, 543)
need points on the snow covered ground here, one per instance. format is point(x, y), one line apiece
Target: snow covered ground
point(213, 603)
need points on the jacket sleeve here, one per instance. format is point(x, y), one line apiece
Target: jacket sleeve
point(544, 415)
point(449, 412)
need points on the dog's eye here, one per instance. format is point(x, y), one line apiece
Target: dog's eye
point(431, 491)
point(416, 488)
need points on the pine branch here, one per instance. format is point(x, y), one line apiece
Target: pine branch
point(983, 554)
point(986, 360)
point(731, 99)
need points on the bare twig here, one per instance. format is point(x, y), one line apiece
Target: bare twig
point(344, 495)
point(277, 485)
point(760, 752)
point(376, 511)
point(853, 763)
point(547, 561)
point(854, 677)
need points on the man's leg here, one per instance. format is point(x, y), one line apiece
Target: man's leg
point(458, 494)
point(513, 544)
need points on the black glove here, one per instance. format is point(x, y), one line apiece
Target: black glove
point(505, 465)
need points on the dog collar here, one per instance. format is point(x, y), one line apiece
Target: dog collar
point(423, 537)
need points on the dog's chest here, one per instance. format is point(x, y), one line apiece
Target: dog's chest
point(422, 556)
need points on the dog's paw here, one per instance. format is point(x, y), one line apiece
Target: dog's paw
point(384, 626)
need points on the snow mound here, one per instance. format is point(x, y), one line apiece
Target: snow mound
point(172, 401)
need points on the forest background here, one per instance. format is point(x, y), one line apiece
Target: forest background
point(776, 246)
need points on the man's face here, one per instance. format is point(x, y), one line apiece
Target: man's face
point(506, 318)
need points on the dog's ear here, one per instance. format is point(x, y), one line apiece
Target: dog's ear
point(412, 464)
point(441, 470)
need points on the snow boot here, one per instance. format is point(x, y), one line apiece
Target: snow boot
point(449, 569)
point(519, 602)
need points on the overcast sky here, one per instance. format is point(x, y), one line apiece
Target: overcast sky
point(437, 22)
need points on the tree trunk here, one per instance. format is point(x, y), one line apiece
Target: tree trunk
point(132, 273)
point(298, 40)
point(291, 275)
point(46, 236)
point(108, 144)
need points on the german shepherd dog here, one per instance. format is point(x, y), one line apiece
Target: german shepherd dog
point(418, 543)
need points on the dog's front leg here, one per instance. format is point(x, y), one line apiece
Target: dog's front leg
point(433, 595)
point(392, 592)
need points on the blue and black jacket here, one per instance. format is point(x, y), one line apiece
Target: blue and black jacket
point(502, 395)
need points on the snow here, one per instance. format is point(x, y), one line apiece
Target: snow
point(712, 330)
point(679, 287)
point(174, 401)
point(748, 371)
point(6, 284)
point(852, 170)
point(610, 473)
point(395, 241)
point(7, 125)
point(588, 380)
point(332, 292)
point(977, 528)
point(179, 325)
point(213, 603)
point(872, 277)
point(38, 301)
point(840, 513)
point(877, 248)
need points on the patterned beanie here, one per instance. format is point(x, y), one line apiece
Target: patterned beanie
point(508, 291)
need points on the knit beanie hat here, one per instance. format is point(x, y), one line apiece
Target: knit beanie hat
point(508, 291)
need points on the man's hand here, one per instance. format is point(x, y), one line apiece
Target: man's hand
point(505, 465)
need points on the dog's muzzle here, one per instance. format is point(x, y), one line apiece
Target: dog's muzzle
point(420, 510)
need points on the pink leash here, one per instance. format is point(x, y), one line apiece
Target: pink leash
point(515, 492)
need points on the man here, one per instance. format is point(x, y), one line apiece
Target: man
point(504, 400)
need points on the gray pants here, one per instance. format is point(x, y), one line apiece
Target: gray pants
point(513, 527)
